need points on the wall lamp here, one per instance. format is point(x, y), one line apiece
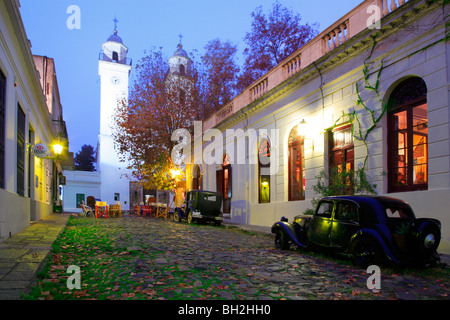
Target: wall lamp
point(302, 128)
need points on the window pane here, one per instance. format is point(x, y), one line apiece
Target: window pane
point(325, 209)
point(296, 165)
point(420, 174)
point(420, 121)
point(264, 189)
point(400, 120)
point(347, 212)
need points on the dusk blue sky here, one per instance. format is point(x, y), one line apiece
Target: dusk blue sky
point(142, 25)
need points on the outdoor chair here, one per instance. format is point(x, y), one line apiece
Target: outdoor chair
point(162, 210)
point(87, 211)
point(146, 209)
point(101, 209)
point(115, 210)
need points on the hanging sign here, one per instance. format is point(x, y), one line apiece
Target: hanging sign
point(40, 150)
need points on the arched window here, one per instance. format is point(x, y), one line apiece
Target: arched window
point(115, 56)
point(408, 137)
point(263, 171)
point(296, 166)
point(182, 70)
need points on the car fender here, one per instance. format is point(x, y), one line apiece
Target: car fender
point(377, 237)
point(288, 229)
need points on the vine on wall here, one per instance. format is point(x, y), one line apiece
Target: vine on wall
point(343, 181)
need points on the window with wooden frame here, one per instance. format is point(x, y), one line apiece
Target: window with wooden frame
point(296, 166)
point(224, 183)
point(20, 151)
point(263, 171)
point(408, 137)
point(341, 157)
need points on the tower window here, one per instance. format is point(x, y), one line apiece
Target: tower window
point(182, 70)
point(115, 56)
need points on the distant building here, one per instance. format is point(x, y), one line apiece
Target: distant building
point(29, 102)
point(293, 115)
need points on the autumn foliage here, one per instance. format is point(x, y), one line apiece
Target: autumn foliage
point(160, 103)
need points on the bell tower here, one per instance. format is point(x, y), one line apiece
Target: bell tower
point(114, 68)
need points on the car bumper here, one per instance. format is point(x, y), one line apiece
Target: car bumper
point(198, 215)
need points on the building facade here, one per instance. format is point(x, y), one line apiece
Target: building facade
point(28, 189)
point(370, 92)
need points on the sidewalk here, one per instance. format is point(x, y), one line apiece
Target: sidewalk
point(22, 255)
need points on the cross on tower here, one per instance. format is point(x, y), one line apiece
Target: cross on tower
point(115, 23)
point(181, 36)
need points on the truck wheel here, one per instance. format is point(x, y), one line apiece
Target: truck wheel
point(281, 241)
point(366, 252)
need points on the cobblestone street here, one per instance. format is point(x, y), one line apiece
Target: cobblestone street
point(141, 258)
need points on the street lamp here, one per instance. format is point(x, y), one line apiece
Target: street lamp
point(57, 148)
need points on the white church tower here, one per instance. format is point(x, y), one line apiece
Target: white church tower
point(114, 69)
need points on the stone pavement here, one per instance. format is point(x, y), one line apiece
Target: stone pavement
point(22, 255)
point(262, 271)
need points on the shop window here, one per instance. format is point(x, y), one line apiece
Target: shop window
point(263, 171)
point(408, 137)
point(296, 166)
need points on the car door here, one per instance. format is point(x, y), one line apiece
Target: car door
point(344, 224)
point(320, 225)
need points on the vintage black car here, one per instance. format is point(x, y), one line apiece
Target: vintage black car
point(373, 229)
point(200, 206)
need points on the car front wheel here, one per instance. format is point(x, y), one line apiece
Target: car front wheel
point(189, 217)
point(366, 252)
point(281, 241)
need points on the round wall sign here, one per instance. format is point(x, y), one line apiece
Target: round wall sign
point(40, 150)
